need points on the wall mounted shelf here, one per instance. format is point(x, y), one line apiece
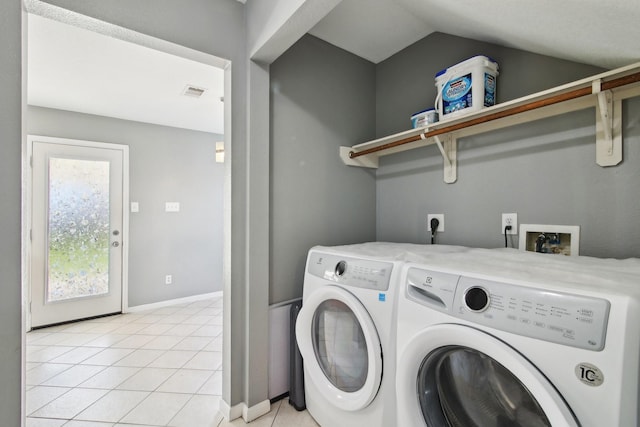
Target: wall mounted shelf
point(604, 91)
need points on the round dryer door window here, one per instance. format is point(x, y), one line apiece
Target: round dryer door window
point(340, 347)
point(452, 375)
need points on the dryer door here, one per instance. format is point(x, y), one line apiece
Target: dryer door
point(340, 347)
point(458, 376)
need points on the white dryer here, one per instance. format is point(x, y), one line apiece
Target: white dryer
point(495, 338)
point(346, 333)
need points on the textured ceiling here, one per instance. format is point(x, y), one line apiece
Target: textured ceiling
point(604, 33)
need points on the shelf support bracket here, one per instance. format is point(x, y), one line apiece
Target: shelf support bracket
point(448, 149)
point(363, 162)
point(608, 127)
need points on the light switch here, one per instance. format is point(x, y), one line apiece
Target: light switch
point(135, 207)
point(172, 207)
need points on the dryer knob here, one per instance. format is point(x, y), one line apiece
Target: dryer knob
point(476, 299)
point(341, 267)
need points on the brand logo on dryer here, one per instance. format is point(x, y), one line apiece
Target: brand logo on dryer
point(589, 374)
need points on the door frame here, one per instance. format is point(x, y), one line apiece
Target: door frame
point(27, 205)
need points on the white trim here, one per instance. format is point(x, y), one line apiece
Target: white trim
point(230, 413)
point(161, 304)
point(256, 411)
point(26, 243)
point(248, 414)
point(125, 231)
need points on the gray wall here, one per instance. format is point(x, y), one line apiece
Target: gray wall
point(545, 170)
point(165, 164)
point(321, 98)
point(10, 165)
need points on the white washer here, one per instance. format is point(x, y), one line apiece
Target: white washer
point(346, 333)
point(494, 338)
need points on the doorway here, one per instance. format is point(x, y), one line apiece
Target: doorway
point(176, 136)
point(77, 229)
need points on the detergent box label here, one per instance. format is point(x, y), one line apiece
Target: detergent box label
point(489, 90)
point(457, 94)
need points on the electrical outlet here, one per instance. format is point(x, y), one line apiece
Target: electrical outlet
point(168, 279)
point(440, 218)
point(172, 207)
point(512, 220)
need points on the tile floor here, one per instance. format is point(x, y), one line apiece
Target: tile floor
point(156, 368)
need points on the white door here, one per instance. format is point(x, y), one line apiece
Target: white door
point(340, 347)
point(457, 376)
point(77, 229)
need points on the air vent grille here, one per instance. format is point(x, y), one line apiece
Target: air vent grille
point(193, 91)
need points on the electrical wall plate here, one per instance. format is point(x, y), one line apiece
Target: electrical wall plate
point(440, 218)
point(512, 220)
point(550, 239)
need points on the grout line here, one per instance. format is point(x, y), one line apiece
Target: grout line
point(273, 423)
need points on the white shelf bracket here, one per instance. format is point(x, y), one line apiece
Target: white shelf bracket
point(363, 161)
point(445, 155)
point(448, 149)
point(608, 127)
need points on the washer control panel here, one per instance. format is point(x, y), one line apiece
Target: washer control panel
point(356, 272)
point(559, 317)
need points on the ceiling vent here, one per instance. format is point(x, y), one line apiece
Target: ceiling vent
point(193, 91)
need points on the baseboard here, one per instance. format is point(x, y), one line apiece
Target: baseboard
point(161, 304)
point(256, 411)
point(230, 413)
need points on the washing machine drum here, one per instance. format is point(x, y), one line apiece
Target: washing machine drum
point(457, 376)
point(462, 387)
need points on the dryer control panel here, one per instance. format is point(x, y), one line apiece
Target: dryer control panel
point(564, 318)
point(357, 272)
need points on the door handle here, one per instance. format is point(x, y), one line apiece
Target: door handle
point(115, 244)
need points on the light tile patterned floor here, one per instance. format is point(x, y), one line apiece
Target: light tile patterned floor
point(156, 368)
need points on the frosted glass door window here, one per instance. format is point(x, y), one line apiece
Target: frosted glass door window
point(78, 229)
point(462, 387)
point(340, 346)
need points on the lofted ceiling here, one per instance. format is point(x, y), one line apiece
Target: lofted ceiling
point(603, 33)
point(74, 69)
